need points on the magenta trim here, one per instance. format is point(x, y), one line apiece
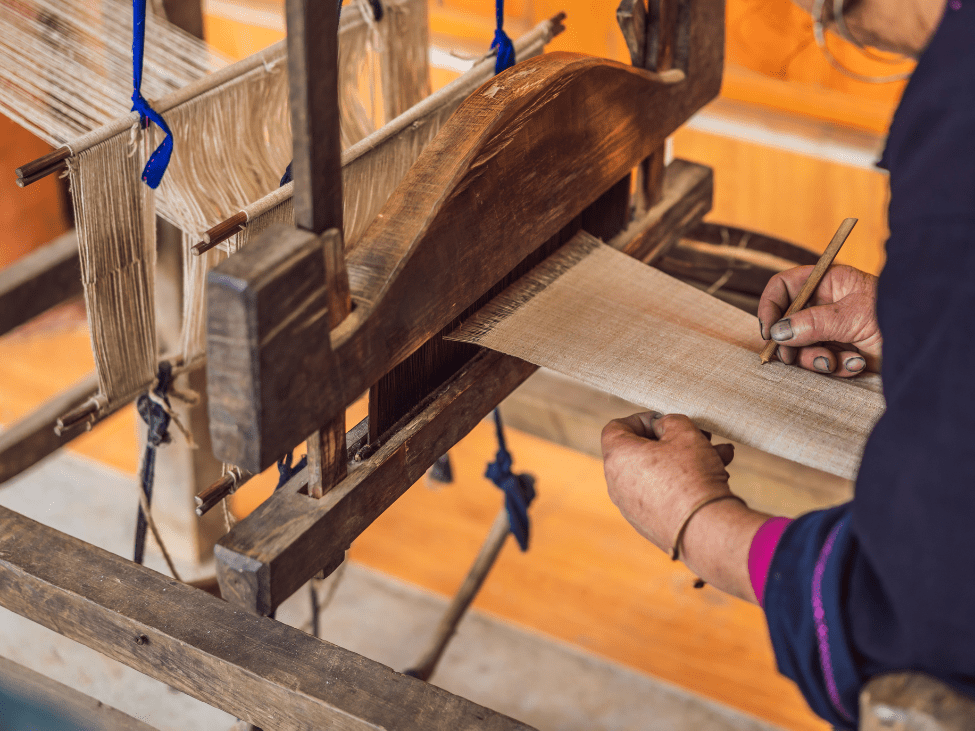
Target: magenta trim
point(760, 554)
point(822, 631)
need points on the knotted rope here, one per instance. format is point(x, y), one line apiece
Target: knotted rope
point(157, 412)
point(519, 490)
point(159, 160)
point(501, 42)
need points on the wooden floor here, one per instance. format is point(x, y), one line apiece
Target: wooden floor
point(588, 579)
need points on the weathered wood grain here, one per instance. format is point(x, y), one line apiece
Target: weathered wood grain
point(260, 670)
point(914, 702)
point(39, 281)
point(457, 224)
point(282, 544)
point(74, 706)
point(261, 383)
point(32, 438)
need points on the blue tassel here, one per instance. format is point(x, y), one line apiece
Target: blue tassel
point(501, 42)
point(519, 490)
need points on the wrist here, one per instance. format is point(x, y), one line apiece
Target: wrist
point(716, 543)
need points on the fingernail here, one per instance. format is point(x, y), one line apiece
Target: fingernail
point(821, 364)
point(761, 328)
point(654, 415)
point(782, 330)
point(855, 364)
point(787, 355)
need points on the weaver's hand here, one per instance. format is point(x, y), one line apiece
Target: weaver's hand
point(837, 333)
point(657, 468)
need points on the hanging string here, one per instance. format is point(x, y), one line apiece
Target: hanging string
point(155, 410)
point(158, 161)
point(501, 42)
point(519, 490)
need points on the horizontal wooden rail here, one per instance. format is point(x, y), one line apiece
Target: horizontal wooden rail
point(255, 668)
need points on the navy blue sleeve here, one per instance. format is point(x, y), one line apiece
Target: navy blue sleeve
point(887, 583)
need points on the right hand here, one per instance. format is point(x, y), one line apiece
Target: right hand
point(836, 333)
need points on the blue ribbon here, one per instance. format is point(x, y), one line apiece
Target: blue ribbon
point(519, 490)
point(501, 42)
point(153, 173)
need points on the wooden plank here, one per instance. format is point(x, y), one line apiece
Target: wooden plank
point(282, 544)
point(260, 670)
point(687, 195)
point(32, 438)
point(907, 701)
point(410, 276)
point(39, 281)
point(74, 706)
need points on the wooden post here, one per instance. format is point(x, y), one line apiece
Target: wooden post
point(317, 168)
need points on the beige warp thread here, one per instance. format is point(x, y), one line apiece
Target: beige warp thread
point(597, 315)
point(374, 166)
point(232, 144)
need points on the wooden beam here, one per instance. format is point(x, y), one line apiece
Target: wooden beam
point(32, 438)
point(409, 276)
point(687, 194)
point(282, 544)
point(72, 705)
point(39, 281)
point(255, 668)
point(259, 568)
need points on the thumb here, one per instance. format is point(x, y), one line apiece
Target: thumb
point(673, 425)
point(838, 321)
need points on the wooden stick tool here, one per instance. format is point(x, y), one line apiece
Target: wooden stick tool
point(839, 238)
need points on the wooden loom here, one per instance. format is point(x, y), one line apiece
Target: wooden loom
point(298, 330)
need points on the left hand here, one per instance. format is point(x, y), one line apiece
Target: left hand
point(658, 467)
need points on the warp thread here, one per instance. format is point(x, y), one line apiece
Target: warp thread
point(501, 42)
point(519, 490)
point(158, 161)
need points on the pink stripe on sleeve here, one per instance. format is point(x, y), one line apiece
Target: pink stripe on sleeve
point(761, 551)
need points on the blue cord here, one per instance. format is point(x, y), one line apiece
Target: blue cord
point(159, 159)
point(286, 471)
point(155, 416)
point(506, 49)
point(519, 490)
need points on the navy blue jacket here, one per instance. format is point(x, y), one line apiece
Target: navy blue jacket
point(887, 582)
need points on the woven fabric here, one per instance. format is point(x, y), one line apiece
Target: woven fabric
point(597, 315)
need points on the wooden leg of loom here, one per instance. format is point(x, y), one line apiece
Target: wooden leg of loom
point(465, 595)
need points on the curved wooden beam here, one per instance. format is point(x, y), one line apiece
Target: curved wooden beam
point(522, 157)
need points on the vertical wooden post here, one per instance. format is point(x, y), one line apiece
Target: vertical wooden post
point(649, 33)
point(317, 169)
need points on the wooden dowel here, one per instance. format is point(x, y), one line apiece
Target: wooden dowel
point(220, 233)
point(46, 162)
point(839, 238)
point(227, 485)
point(465, 595)
point(86, 412)
point(40, 175)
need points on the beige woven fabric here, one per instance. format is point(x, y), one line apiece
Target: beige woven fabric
point(597, 315)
